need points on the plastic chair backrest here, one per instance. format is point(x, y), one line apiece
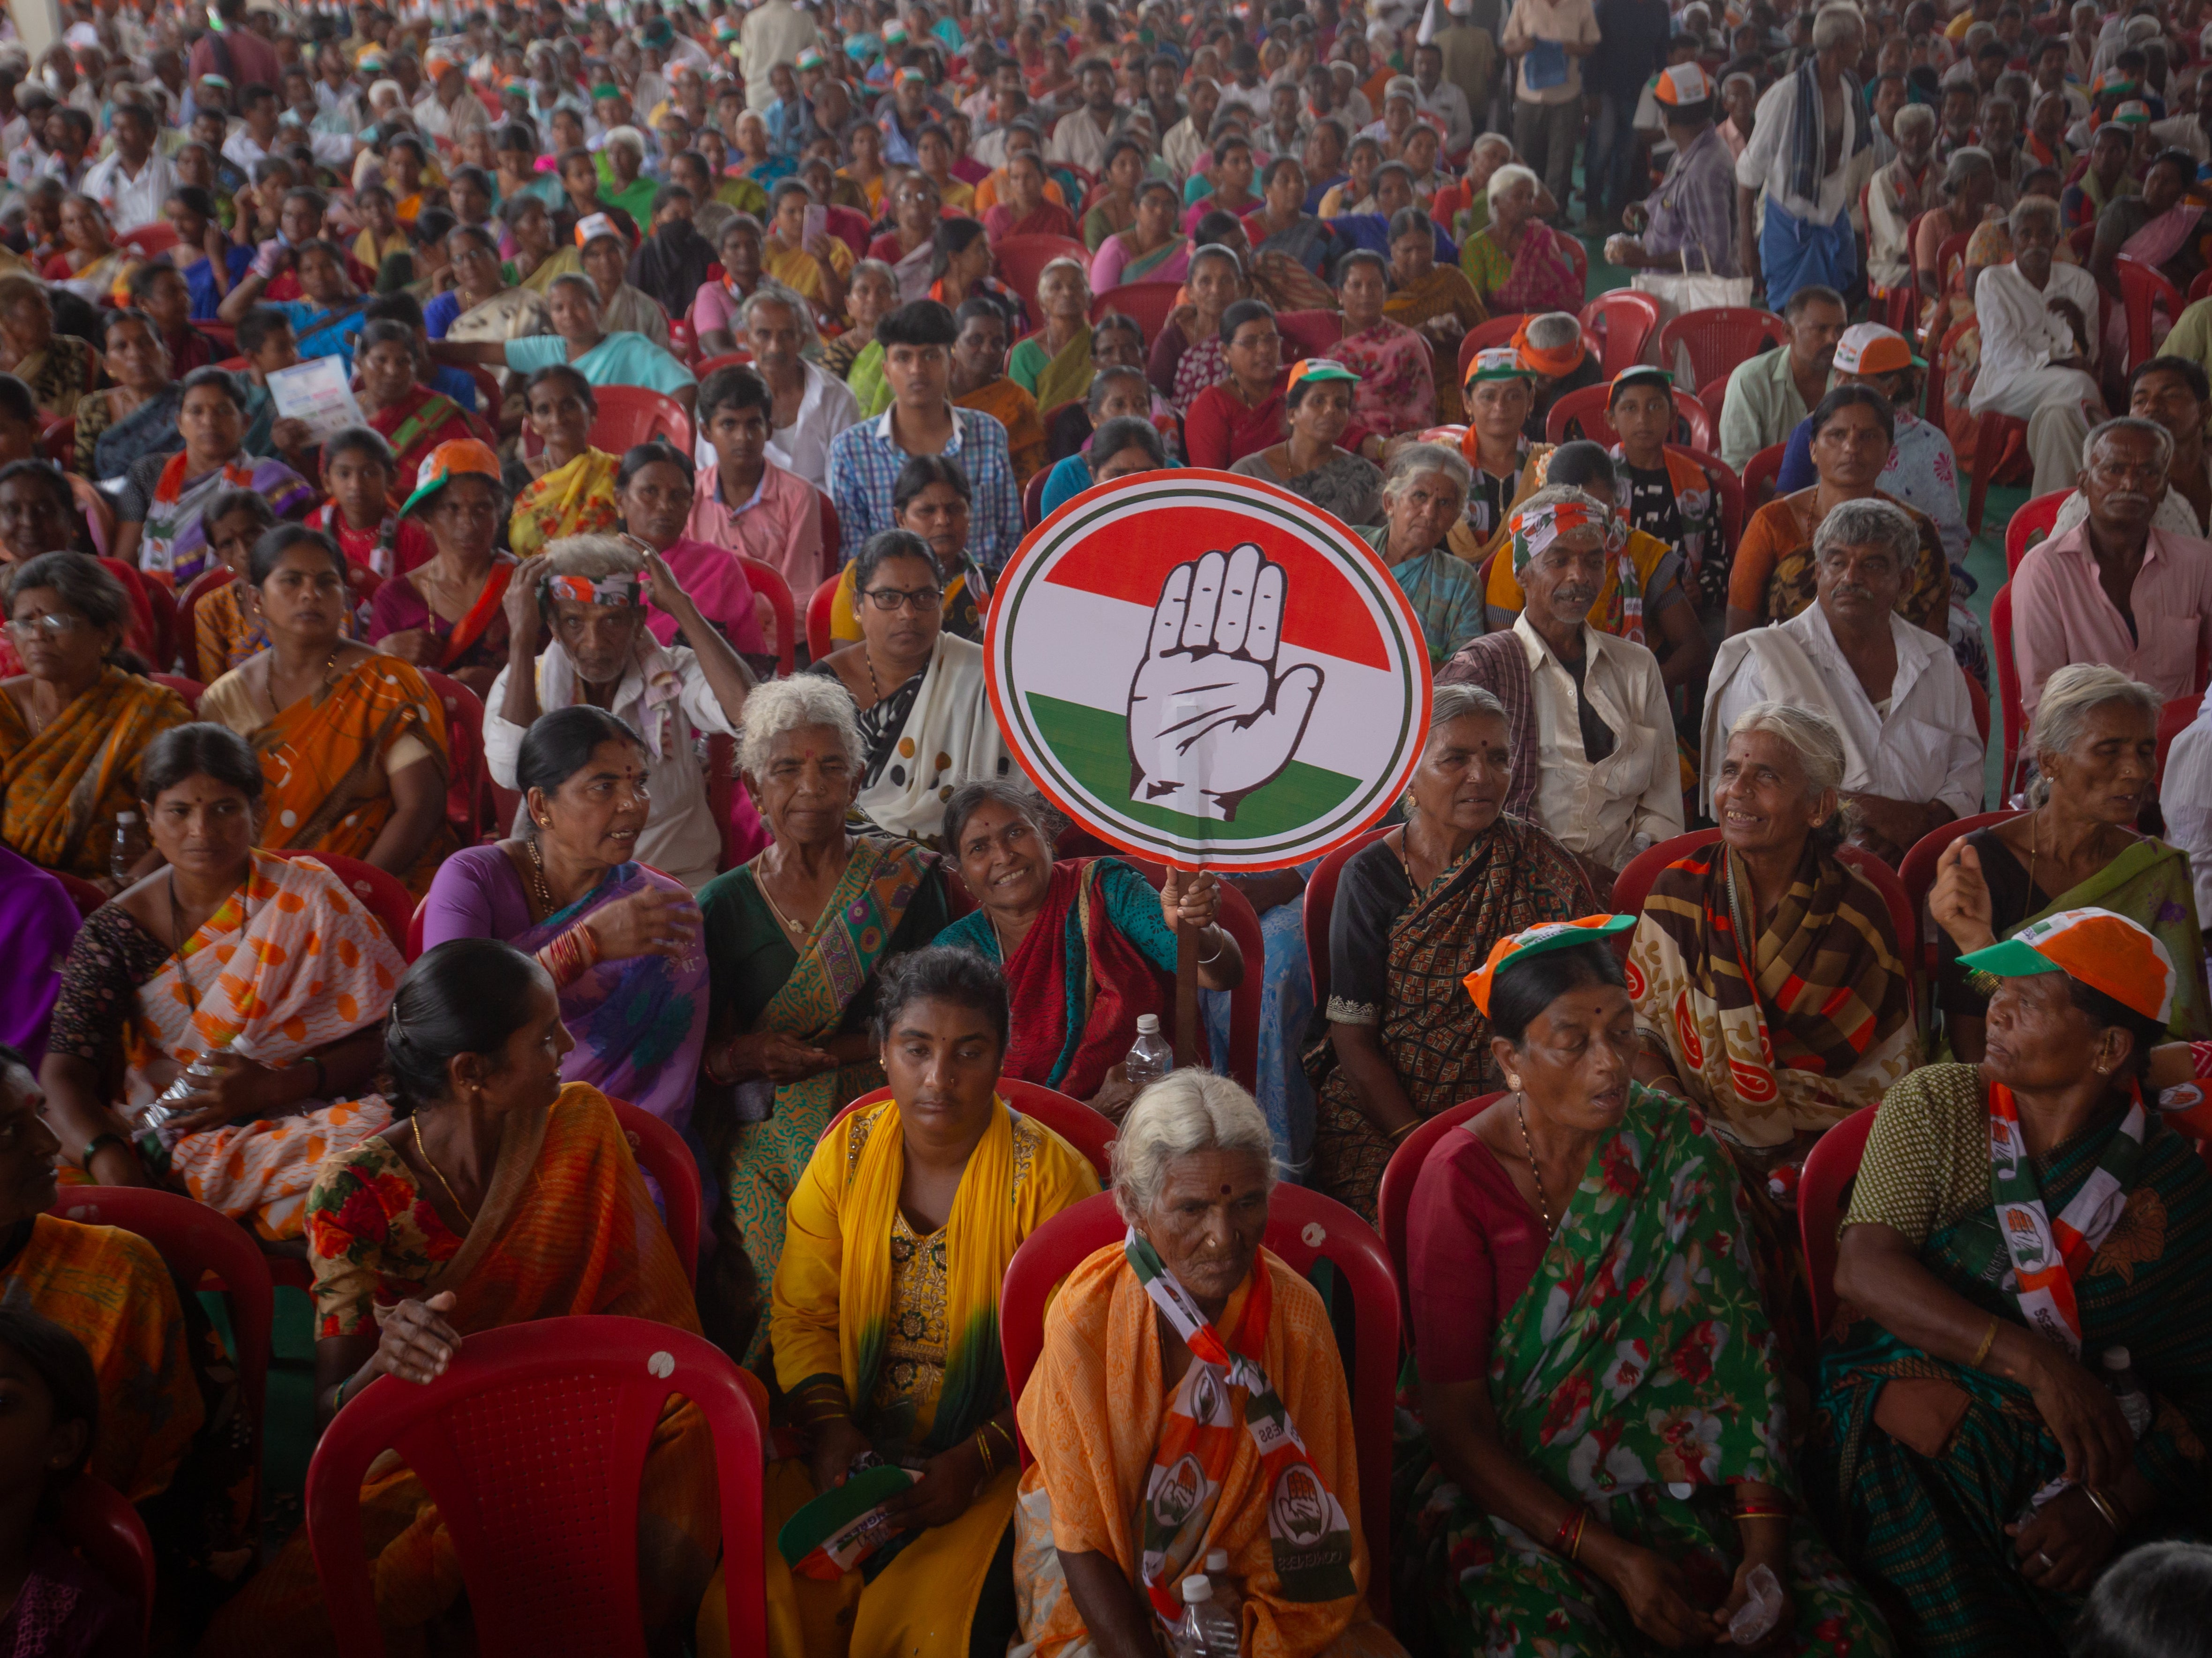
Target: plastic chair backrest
point(1633, 884)
point(1394, 1198)
point(2172, 720)
point(1145, 304)
point(1484, 336)
point(2030, 524)
point(1308, 333)
point(2142, 289)
point(1949, 252)
point(2000, 446)
point(723, 359)
point(831, 535)
point(1912, 257)
point(1066, 1116)
point(1719, 338)
point(531, 1445)
point(1022, 259)
point(1760, 473)
point(85, 895)
point(188, 603)
point(101, 1524)
point(161, 600)
point(683, 343)
point(2202, 288)
point(150, 240)
point(819, 640)
point(1829, 1167)
point(1303, 1227)
point(465, 720)
point(1578, 256)
point(660, 1151)
point(1729, 487)
point(413, 948)
point(1916, 873)
point(1319, 899)
point(385, 896)
point(1243, 1062)
point(1033, 497)
point(2009, 692)
point(1587, 408)
point(1978, 694)
point(768, 580)
point(190, 689)
point(1624, 321)
point(631, 415)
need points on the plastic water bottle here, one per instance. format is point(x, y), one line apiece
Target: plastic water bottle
point(1204, 1632)
point(153, 1127)
point(1151, 1057)
point(1226, 1596)
point(2127, 1387)
point(128, 845)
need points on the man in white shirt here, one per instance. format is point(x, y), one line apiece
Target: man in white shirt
point(600, 651)
point(1811, 148)
point(449, 108)
point(2185, 796)
point(1442, 101)
point(133, 183)
point(1186, 141)
point(1547, 40)
point(1912, 750)
point(2039, 337)
point(812, 405)
point(1081, 136)
point(1246, 86)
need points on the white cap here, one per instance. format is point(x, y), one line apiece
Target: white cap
point(1217, 1560)
point(2117, 1358)
point(1148, 1024)
point(1196, 1588)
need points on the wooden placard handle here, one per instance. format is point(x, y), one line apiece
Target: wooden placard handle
point(1186, 996)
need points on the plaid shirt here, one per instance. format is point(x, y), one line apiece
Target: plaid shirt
point(864, 466)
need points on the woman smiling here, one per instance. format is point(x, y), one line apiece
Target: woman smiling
point(159, 526)
point(567, 488)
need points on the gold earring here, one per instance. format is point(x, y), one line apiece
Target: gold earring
point(1513, 1080)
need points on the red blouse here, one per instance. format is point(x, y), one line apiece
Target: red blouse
point(1473, 1245)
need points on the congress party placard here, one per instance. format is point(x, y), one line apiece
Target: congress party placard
point(1203, 669)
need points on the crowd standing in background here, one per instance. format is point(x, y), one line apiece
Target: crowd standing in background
point(561, 735)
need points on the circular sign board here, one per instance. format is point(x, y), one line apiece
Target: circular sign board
point(1200, 668)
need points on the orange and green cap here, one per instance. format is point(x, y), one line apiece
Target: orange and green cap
point(1319, 369)
point(1535, 941)
point(457, 458)
point(2109, 953)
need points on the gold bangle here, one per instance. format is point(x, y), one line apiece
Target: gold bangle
point(983, 1450)
point(1988, 1340)
point(1398, 1134)
point(2104, 1506)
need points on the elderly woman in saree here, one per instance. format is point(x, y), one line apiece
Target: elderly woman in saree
point(449, 612)
point(241, 990)
point(1517, 262)
point(1435, 301)
point(1423, 496)
point(75, 725)
point(1769, 987)
point(1189, 355)
point(926, 724)
point(1558, 1499)
point(579, 630)
point(885, 1331)
point(1087, 946)
point(619, 940)
point(1188, 1323)
point(2026, 1237)
point(58, 368)
point(159, 516)
point(567, 488)
point(1053, 365)
point(1150, 251)
point(1316, 408)
point(1416, 911)
point(353, 741)
point(501, 1194)
point(2095, 745)
point(136, 415)
point(794, 939)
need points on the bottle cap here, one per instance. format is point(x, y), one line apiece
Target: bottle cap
point(2116, 1358)
point(1217, 1561)
point(1148, 1024)
point(123, 817)
point(1196, 1588)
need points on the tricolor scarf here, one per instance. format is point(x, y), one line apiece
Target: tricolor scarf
point(2048, 1255)
point(175, 512)
point(1306, 1526)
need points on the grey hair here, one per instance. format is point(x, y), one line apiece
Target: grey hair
point(1217, 251)
point(1869, 522)
point(1913, 117)
point(1553, 331)
point(1064, 262)
point(1493, 140)
point(874, 268)
point(2032, 210)
point(630, 137)
point(1414, 459)
point(2069, 697)
point(789, 705)
point(2128, 423)
point(771, 292)
point(1834, 24)
point(1451, 703)
point(1965, 162)
point(576, 279)
point(1186, 1112)
point(1752, 82)
point(592, 557)
point(1506, 177)
point(1819, 748)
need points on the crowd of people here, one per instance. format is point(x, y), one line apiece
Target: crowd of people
point(707, 365)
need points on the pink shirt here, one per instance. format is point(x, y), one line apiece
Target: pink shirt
point(781, 527)
point(2060, 614)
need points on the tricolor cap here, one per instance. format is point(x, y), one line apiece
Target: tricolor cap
point(1500, 363)
point(2133, 113)
point(1642, 373)
point(605, 90)
point(2109, 953)
point(1535, 941)
point(1683, 83)
point(812, 58)
point(2111, 81)
point(457, 458)
point(592, 226)
point(1868, 348)
point(894, 31)
point(1319, 369)
point(437, 63)
point(911, 77)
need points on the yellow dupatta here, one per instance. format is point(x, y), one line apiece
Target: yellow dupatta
point(64, 784)
point(1067, 374)
point(576, 499)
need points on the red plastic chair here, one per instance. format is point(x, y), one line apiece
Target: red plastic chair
point(724, 360)
point(465, 720)
point(1394, 1198)
point(1760, 473)
point(1033, 498)
point(190, 689)
point(1633, 884)
point(768, 580)
point(1488, 336)
point(1145, 304)
point(1829, 1168)
point(1720, 338)
point(1589, 408)
point(1066, 1116)
point(1578, 256)
point(59, 439)
point(1236, 915)
point(2009, 692)
point(1303, 1227)
point(2143, 289)
point(1022, 259)
point(161, 600)
point(2000, 450)
point(819, 640)
point(85, 895)
point(2029, 525)
point(851, 226)
point(412, 950)
point(660, 1151)
point(683, 343)
point(1734, 512)
point(1623, 322)
point(631, 415)
point(1308, 333)
point(2202, 288)
point(831, 536)
point(1950, 253)
point(100, 1523)
point(2174, 719)
point(1319, 899)
point(150, 240)
point(207, 582)
point(387, 899)
point(531, 1445)
point(1916, 874)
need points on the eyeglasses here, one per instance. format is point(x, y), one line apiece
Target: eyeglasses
point(923, 599)
point(54, 624)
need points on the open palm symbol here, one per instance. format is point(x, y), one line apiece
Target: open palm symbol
point(1209, 719)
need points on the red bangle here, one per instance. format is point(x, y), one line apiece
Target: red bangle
point(1567, 1527)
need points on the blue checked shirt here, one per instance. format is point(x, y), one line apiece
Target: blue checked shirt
point(864, 465)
